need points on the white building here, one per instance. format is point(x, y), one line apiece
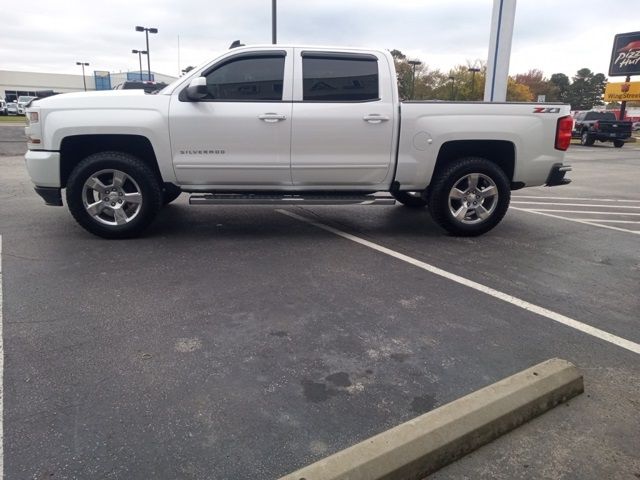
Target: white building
point(14, 84)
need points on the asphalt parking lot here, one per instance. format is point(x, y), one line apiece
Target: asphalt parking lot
point(240, 342)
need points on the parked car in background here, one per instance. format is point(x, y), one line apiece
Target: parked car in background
point(636, 126)
point(148, 87)
point(12, 108)
point(3, 107)
point(590, 126)
point(23, 101)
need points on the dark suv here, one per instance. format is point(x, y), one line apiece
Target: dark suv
point(601, 126)
point(148, 87)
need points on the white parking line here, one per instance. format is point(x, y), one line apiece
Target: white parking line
point(602, 220)
point(626, 214)
point(576, 220)
point(576, 198)
point(569, 322)
point(1, 374)
point(576, 204)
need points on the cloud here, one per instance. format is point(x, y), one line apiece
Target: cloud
point(549, 35)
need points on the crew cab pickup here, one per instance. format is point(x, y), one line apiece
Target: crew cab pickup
point(602, 126)
point(289, 125)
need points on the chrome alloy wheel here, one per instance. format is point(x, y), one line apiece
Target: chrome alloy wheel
point(111, 197)
point(473, 198)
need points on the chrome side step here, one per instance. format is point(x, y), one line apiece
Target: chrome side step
point(284, 200)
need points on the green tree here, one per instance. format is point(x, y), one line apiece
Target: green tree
point(404, 74)
point(586, 90)
point(561, 83)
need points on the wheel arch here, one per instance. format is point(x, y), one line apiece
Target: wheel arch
point(75, 148)
point(500, 152)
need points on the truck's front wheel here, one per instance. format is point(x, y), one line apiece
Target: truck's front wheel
point(469, 197)
point(113, 194)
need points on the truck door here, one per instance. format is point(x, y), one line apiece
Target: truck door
point(240, 133)
point(343, 119)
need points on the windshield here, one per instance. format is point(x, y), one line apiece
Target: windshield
point(600, 116)
point(24, 99)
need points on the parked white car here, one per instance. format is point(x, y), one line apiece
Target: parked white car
point(12, 108)
point(289, 125)
point(23, 101)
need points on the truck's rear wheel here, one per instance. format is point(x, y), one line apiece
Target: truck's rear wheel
point(410, 199)
point(469, 197)
point(618, 143)
point(586, 139)
point(113, 194)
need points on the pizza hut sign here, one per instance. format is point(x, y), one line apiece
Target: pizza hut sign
point(625, 56)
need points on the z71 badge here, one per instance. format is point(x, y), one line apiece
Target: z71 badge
point(546, 110)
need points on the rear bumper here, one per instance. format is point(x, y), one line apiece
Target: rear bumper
point(556, 175)
point(43, 167)
point(610, 137)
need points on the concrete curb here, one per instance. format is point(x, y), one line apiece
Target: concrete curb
point(429, 442)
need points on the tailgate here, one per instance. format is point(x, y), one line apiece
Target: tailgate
point(618, 129)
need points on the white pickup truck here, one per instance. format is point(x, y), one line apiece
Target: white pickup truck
point(289, 125)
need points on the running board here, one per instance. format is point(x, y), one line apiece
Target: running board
point(284, 200)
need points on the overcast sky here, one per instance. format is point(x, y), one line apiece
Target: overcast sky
point(551, 35)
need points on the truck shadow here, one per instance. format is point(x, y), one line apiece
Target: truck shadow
point(180, 221)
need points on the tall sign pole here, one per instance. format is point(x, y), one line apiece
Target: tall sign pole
point(504, 13)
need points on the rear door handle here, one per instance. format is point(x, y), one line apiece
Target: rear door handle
point(375, 118)
point(272, 117)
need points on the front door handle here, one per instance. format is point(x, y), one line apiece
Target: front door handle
point(272, 117)
point(375, 118)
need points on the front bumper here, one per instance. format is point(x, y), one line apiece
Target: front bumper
point(556, 175)
point(44, 167)
point(50, 195)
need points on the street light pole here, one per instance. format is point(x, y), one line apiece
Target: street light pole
point(84, 81)
point(414, 63)
point(140, 53)
point(147, 31)
point(274, 29)
point(473, 71)
point(453, 82)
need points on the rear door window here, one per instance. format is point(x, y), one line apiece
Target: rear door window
point(339, 77)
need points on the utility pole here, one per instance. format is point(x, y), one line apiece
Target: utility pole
point(274, 30)
point(147, 31)
point(473, 71)
point(414, 63)
point(453, 84)
point(84, 80)
point(140, 53)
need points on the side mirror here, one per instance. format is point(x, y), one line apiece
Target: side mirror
point(197, 89)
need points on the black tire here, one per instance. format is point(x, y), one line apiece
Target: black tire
point(150, 192)
point(454, 173)
point(586, 140)
point(169, 193)
point(410, 199)
point(618, 143)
